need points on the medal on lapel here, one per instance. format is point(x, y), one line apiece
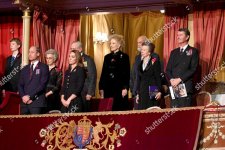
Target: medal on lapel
point(85, 63)
point(189, 52)
point(37, 71)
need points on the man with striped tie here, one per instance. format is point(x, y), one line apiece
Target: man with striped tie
point(12, 67)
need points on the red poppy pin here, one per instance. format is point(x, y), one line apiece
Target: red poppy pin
point(153, 60)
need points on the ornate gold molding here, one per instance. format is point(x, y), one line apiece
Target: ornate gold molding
point(105, 113)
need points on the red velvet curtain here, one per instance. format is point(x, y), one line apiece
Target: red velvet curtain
point(170, 129)
point(66, 32)
point(57, 33)
point(10, 27)
point(43, 33)
point(170, 35)
point(209, 35)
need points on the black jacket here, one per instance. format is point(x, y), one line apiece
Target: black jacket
point(12, 73)
point(183, 65)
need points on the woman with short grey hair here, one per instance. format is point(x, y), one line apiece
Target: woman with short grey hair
point(54, 82)
point(53, 52)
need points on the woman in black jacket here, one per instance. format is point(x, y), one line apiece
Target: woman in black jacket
point(73, 84)
point(54, 82)
point(149, 82)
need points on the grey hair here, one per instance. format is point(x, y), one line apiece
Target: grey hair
point(53, 52)
point(79, 44)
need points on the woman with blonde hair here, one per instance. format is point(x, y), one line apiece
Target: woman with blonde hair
point(114, 81)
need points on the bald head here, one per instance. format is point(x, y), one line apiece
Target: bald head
point(141, 39)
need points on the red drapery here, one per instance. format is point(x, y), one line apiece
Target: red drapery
point(170, 35)
point(209, 35)
point(43, 33)
point(10, 27)
point(66, 32)
point(57, 34)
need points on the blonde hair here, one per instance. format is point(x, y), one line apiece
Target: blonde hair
point(119, 39)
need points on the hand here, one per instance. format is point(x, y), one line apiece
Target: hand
point(29, 102)
point(124, 92)
point(137, 99)
point(172, 82)
point(25, 99)
point(158, 96)
point(101, 93)
point(63, 101)
point(88, 97)
point(3, 93)
point(175, 82)
point(67, 103)
point(49, 93)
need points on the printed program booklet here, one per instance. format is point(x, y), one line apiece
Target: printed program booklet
point(153, 90)
point(178, 91)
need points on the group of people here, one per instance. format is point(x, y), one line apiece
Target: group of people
point(42, 89)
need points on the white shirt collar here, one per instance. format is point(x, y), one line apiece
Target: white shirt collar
point(184, 47)
point(14, 55)
point(35, 64)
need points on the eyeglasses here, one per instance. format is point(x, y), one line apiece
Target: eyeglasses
point(49, 57)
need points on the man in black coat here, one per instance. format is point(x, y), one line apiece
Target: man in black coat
point(12, 67)
point(181, 67)
point(32, 84)
point(91, 74)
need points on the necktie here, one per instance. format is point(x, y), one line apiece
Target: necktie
point(12, 60)
point(31, 70)
point(181, 51)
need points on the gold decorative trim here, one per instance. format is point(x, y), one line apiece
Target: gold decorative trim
point(83, 134)
point(105, 113)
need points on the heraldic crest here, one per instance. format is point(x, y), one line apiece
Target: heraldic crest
point(82, 135)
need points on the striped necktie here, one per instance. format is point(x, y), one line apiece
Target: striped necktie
point(12, 61)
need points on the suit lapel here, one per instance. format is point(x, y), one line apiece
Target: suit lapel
point(35, 70)
point(180, 57)
point(148, 65)
point(187, 49)
point(16, 59)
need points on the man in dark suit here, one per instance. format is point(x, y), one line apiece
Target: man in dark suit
point(134, 71)
point(91, 74)
point(32, 84)
point(181, 67)
point(12, 67)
